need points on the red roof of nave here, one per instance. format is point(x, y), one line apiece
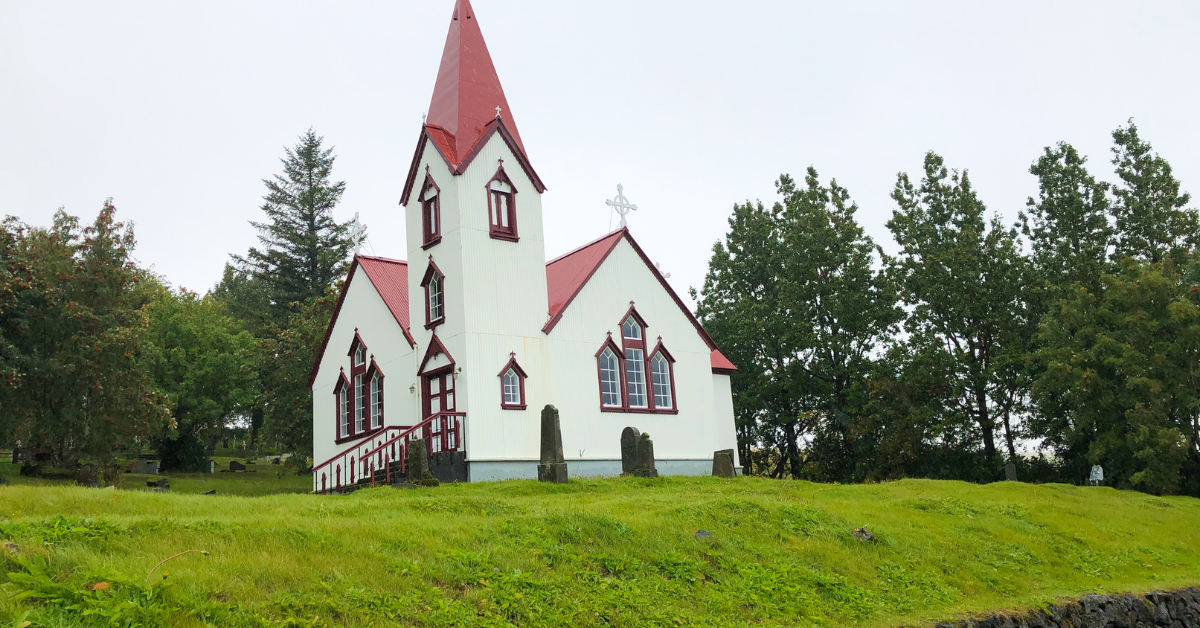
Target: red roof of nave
point(467, 90)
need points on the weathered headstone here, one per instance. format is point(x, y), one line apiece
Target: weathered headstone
point(212, 466)
point(1010, 471)
point(553, 467)
point(629, 448)
point(723, 464)
point(148, 467)
point(645, 457)
point(1097, 476)
point(417, 463)
point(234, 465)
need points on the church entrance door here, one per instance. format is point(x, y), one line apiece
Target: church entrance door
point(439, 397)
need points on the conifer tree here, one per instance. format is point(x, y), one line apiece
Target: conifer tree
point(303, 249)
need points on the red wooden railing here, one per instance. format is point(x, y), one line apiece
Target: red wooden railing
point(441, 431)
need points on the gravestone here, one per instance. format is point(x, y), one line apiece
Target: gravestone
point(1097, 476)
point(645, 457)
point(1010, 471)
point(212, 466)
point(148, 467)
point(629, 445)
point(234, 465)
point(417, 464)
point(723, 464)
point(553, 467)
point(159, 485)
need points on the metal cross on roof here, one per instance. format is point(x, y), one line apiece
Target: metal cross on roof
point(497, 111)
point(357, 230)
point(621, 204)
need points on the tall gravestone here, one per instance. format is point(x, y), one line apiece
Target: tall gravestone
point(1010, 471)
point(553, 467)
point(723, 464)
point(629, 449)
point(417, 463)
point(645, 458)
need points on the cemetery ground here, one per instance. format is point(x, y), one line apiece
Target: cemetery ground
point(595, 552)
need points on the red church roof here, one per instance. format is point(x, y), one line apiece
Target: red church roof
point(462, 114)
point(468, 89)
point(390, 278)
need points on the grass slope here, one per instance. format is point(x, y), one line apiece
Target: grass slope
point(264, 479)
point(611, 552)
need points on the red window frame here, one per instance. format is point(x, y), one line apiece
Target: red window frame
point(610, 344)
point(512, 365)
point(342, 384)
point(372, 372)
point(431, 272)
point(494, 197)
point(431, 212)
point(357, 370)
point(623, 369)
point(660, 349)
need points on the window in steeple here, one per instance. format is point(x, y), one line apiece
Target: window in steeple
point(502, 209)
point(431, 213)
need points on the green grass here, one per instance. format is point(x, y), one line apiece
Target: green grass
point(612, 552)
point(264, 479)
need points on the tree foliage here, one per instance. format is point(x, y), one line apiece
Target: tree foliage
point(203, 362)
point(77, 388)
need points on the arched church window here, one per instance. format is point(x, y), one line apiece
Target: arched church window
point(343, 413)
point(663, 379)
point(634, 345)
point(610, 378)
point(502, 209)
point(360, 405)
point(512, 385)
point(376, 400)
point(435, 295)
point(431, 213)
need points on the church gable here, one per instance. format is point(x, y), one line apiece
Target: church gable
point(388, 279)
point(567, 276)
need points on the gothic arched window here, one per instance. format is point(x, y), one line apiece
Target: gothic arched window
point(502, 209)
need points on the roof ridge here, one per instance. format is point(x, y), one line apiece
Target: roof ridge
point(592, 243)
point(380, 258)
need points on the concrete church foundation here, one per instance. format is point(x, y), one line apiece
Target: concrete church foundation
point(496, 470)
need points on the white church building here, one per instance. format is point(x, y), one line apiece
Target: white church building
point(468, 340)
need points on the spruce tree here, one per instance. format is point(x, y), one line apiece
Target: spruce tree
point(304, 250)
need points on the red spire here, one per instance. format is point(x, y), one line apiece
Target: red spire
point(468, 90)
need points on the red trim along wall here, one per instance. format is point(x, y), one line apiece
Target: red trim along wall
point(512, 364)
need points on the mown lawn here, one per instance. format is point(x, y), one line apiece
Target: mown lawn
point(611, 552)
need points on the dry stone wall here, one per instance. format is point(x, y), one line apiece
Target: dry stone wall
point(1172, 609)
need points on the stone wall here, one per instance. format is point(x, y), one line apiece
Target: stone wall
point(1173, 609)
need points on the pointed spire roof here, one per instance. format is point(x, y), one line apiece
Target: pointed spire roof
point(468, 89)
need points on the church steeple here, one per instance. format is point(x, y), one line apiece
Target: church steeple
point(468, 89)
point(468, 105)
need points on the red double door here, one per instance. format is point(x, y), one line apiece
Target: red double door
point(439, 397)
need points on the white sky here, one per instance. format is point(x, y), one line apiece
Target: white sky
point(179, 110)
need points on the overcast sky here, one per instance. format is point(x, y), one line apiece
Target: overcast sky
point(178, 110)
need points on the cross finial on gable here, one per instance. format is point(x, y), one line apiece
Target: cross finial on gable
point(621, 204)
point(423, 116)
point(497, 111)
point(512, 354)
point(357, 231)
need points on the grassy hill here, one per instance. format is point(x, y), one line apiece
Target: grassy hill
point(612, 552)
